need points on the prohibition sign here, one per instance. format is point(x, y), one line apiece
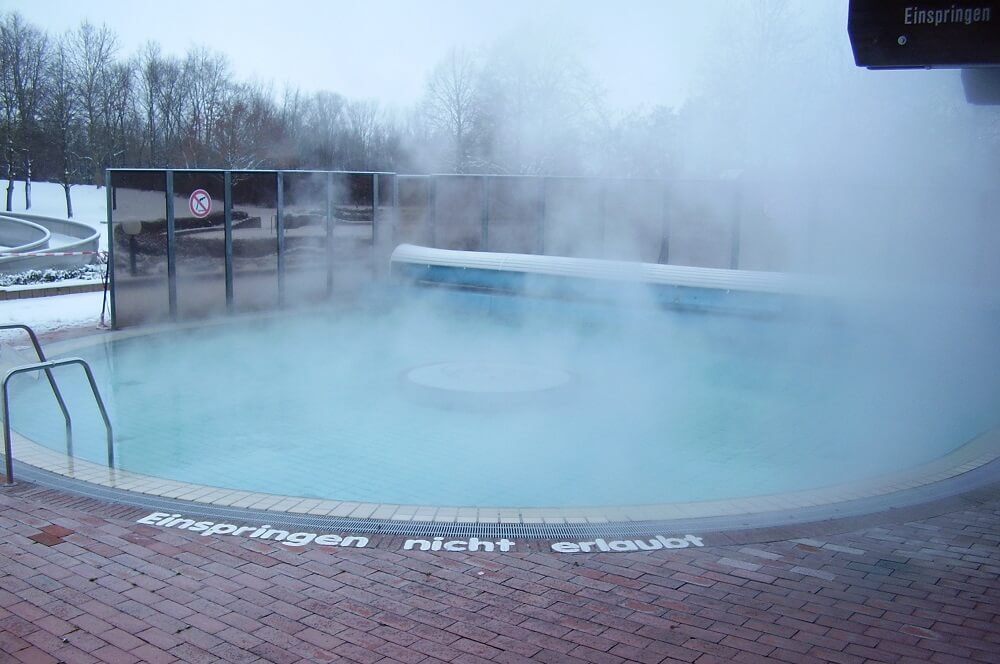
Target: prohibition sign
point(200, 203)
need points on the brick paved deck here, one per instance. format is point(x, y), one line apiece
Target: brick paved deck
point(82, 582)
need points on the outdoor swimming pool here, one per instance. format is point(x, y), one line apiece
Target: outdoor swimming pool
point(571, 405)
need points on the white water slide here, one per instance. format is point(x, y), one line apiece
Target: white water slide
point(35, 242)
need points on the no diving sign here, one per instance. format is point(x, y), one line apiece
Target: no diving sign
point(200, 203)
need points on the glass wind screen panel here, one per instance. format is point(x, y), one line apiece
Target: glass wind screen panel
point(574, 217)
point(412, 222)
point(701, 215)
point(516, 214)
point(200, 243)
point(307, 219)
point(139, 236)
point(386, 236)
point(458, 209)
point(353, 229)
point(255, 240)
point(352, 211)
point(634, 220)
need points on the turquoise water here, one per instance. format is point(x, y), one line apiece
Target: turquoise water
point(663, 407)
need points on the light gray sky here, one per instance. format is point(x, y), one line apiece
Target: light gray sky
point(642, 51)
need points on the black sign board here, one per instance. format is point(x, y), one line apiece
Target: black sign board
point(898, 34)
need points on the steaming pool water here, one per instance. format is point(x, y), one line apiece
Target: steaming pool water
point(565, 406)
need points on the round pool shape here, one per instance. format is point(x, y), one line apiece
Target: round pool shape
point(625, 408)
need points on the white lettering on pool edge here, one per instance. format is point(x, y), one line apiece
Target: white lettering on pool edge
point(288, 538)
point(652, 544)
point(470, 545)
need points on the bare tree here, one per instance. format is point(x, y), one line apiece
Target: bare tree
point(151, 70)
point(359, 137)
point(451, 103)
point(86, 109)
point(247, 124)
point(206, 75)
point(61, 118)
point(92, 51)
point(288, 134)
point(323, 122)
point(9, 100)
point(387, 144)
point(539, 100)
point(118, 114)
point(23, 51)
point(170, 101)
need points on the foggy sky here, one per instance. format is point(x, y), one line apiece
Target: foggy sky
point(642, 52)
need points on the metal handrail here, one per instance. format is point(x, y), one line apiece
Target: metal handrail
point(52, 381)
point(47, 366)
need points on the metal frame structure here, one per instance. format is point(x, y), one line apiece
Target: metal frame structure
point(379, 235)
point(171, 227)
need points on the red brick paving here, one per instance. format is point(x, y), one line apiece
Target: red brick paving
point(81, 582)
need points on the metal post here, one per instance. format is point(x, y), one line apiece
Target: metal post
point(542, 212)
point(432, 208)
point(8, 456)
point(602, 211)
point(104, 412)
point(375, 201)
point(227, 207)
point(329, 234)
point(111, 247)
point(280, 180)
point(171, 247)
point(484, 213)
point(395, 210)
point(664, 257)
point(734, 246)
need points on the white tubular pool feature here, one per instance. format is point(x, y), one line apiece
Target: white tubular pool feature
point(621, 271)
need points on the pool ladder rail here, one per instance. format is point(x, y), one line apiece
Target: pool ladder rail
point(47, 365)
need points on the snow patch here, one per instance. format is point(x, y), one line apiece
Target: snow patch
point(46, 315)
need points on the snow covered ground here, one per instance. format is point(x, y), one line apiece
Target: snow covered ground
point(57, 313)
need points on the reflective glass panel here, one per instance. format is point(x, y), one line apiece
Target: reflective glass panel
point(255, 240)
point(702, 221)
point(307, 219)
point(353, 230)
point(139, 243)
point(574, 217)
point(516, 212)
point(200, 243)
point(457, 212)
point(634, 220)
point(412, 223)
